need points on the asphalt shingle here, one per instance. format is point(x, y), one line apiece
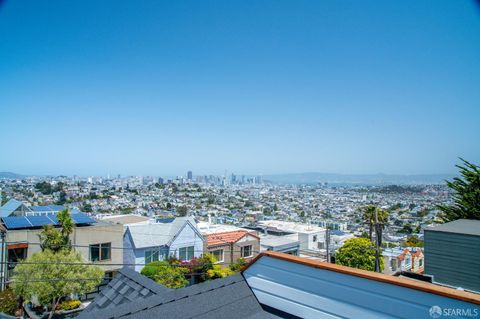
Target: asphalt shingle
point(124, 288)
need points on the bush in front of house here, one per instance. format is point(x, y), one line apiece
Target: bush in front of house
point(8, 302)
point(70, 304)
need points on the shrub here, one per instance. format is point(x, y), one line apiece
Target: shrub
point(171, 276)
point(238, 265)
point(8, 301)
point(70, 304)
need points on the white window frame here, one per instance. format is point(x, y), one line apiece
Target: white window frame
point(186, 253)
point(152, 252)
point(242, 251)
point(222, 254)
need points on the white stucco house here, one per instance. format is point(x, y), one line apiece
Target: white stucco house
point(144, 243)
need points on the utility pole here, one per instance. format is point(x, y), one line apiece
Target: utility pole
point(3, 263)
point(377, 247)
point(327, 240)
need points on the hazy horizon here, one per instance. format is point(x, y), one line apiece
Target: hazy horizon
point(250, 87)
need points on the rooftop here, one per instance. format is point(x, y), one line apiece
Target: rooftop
point(460, 226)
point(127, 219)
point(291, 226)
point(227, 297)
point(127, 286)
point(275, 241)
point(227, 237)
point(158, 234)
point(379, 277)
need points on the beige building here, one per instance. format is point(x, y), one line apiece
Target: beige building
point(99, 243)
point(228, 247)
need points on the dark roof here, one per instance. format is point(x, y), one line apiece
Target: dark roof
point(126, 287)
point(460, 226)
point(228, 297)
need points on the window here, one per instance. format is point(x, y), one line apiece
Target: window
point(218, 255)
point(186, 253)
point(246, 251)
point(99, 252)
point(151, 255)
point(420, 262)
point(314, 238)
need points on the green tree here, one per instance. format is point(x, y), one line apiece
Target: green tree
point(47, 277)
point(358, 253)
point(369, 218)
point(182, 211)
point(87, 208)
point(44, 188)
point(413, 241)
point(4, 199)
point(171, 276)
point(467, 194)
point(55, 239)
point(407, 229)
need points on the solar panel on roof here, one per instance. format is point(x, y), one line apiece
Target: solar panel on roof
point(81, 218)
point(37, 221)
point(53, 218)
point(16, 222)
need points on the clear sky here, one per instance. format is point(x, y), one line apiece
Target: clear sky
point(157, 87)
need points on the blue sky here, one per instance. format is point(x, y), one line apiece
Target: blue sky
point(160, 87)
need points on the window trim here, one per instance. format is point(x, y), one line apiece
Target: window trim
point(242, 251)
point(186, 253)
point(152, 252)
point(99, 247)
point(223, 255)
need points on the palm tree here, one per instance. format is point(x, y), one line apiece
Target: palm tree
point(369, 219)
point(54, 239)
point(65, 221)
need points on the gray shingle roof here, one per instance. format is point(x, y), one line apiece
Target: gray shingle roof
point(126, 287)
point(159, 234)
point(461, 226)
point(229, 297)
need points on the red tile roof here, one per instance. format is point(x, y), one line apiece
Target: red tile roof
point(228, 237)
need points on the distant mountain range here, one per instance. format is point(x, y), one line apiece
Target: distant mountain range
point(359, 179)
point(11, 175)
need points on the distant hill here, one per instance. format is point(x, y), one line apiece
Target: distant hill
point(11, 175)
point(359, 179)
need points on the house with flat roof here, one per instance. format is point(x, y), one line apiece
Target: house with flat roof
point(452, 253)
point(281, 244)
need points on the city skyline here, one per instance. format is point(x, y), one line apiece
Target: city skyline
point(253, 87)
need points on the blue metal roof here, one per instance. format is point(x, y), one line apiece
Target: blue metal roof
point(48, 208)
point(9, 207)
point(22, 222)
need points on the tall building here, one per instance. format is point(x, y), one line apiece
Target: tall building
point(189, 175)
